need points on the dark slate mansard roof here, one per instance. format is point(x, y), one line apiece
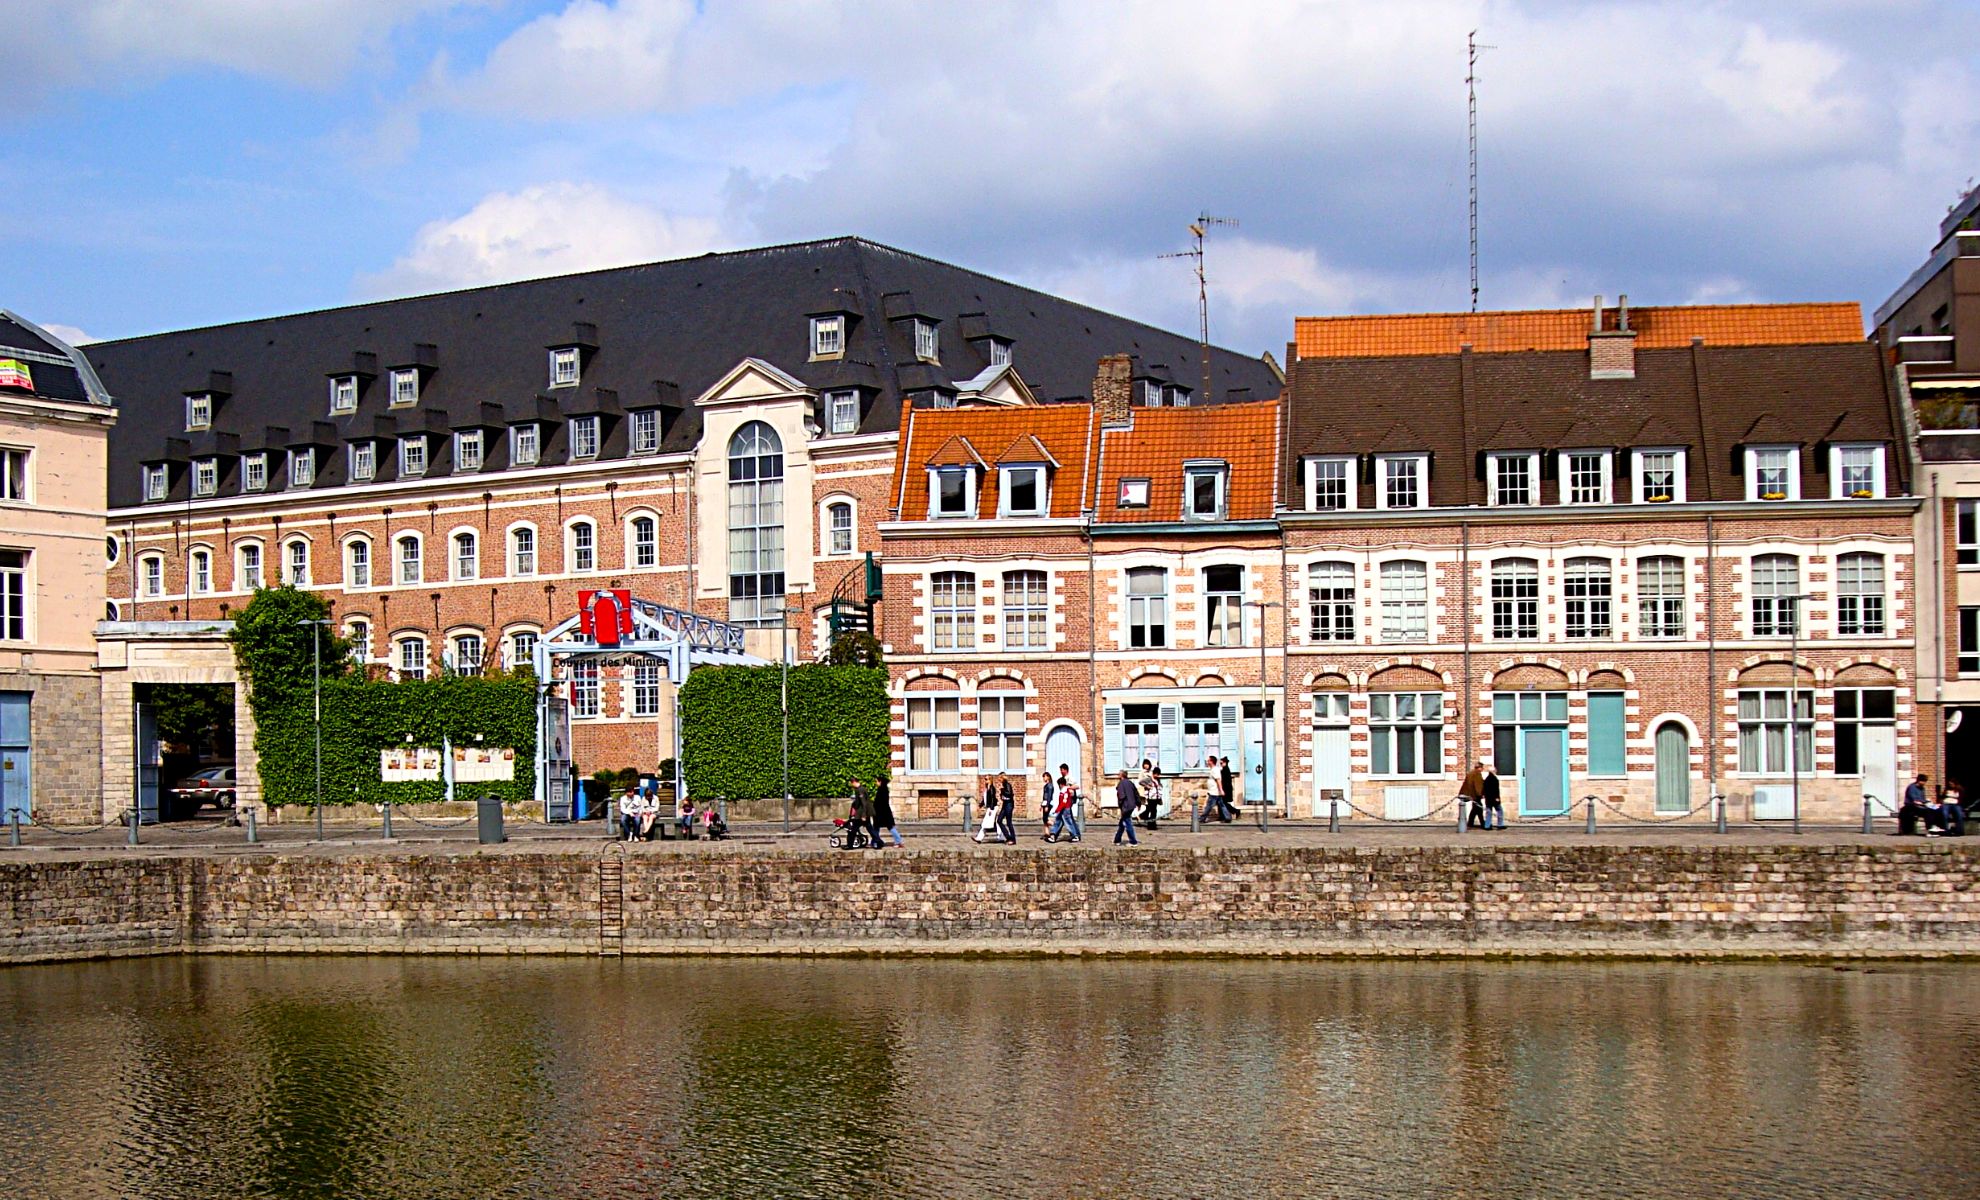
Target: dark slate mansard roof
point(60, 372)
point(1708, 399)
point(663, 333)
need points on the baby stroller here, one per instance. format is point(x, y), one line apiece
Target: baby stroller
point(846, 835)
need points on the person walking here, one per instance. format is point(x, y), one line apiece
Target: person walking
point(1495, 813)
point(988, 829)
point(1471, 794)
point(1075, 812)
point(859, 816)
point(1217, 805)
point(883, 812)
point(1047, 797)
point(1228, 778)
point(1128, 797)
point(1006, 806)
point(1152, 791)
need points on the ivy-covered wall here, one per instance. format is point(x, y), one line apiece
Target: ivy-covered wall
point(731, 730)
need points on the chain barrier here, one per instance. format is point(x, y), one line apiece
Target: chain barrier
point(1672, 819)
point(398, 812)
point(80, 831)
point(1400, 820)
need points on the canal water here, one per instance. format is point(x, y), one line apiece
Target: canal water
point(410, 1077)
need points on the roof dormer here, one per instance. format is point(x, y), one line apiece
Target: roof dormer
point(570, 357)
point(407, 380)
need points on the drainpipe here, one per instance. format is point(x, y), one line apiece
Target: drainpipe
point(1470, 700)
point(1096, 773)
point(1285, 680)
point(1713, 695)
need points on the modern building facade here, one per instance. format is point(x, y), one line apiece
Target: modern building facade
point(55, 421)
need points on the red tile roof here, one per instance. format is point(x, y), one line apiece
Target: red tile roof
point(1063, 431)
point(1161, 440)
point(1567, 329)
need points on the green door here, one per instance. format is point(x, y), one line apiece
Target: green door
point(1543, 772)
point(1673, 768)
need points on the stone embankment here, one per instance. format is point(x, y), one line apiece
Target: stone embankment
point(1906, 899)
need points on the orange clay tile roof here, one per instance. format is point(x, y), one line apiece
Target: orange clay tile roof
point(1567, 329)
point(1063, 430)
point(1246, 436)
point(1027, 449)
point(956, 452)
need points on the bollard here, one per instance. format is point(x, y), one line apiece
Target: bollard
point(1460, 817)
point(14, 827)
point(488, 814)
point(385, 811)
point(1867, 827)
point(1591, 813)
point(1265, 817)
point(253, 834)
point(722, 810)
point(968, 811)
point(1193, 817)
point(131, 839)
point(1333, 816)
point(1720, 803)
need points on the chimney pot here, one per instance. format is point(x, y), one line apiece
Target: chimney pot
point(1113, 390)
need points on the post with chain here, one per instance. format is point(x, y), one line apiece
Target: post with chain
point(253, 833)
point(1591, 812)
point(1719, 803)
point(131, 838)
point(385, 813)
point(14, 827)
point(1461, 802)
point(1867, 826)
point(1333, 814)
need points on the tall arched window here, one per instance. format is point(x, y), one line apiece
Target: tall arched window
point(756, 524)
point(522, 551)
point(645, 542)
point(467, 556)
point(581, 543)
point(410, 568)
point(358, 574)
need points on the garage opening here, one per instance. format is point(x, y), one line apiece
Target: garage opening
point(185, 750)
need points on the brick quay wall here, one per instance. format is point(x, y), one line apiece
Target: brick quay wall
point(1914, 899)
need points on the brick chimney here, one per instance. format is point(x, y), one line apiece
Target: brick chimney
point(1612, 352)
point(1113, 391)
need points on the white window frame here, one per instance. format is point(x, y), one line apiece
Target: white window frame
point(835, 546)
point(1839, 452)
point(1148, 612)
point(1350, 485)
point(206, 476)
point(151, 576)
point(935, 476)
point(157, 483)
point(1401, 612)
point(459, 642)
point(1754, 723)
point(199, 411)
point(934, 745)
point(1000, 352)
point(408, 663)
point(358, 574)
point(1654, 621)
point(564, 367)
point(585, 436)
point(358, 634)
point(199, 572)
point(1386, 466)
point(1220, 476)
point(1390, 714)
point(1151, 393)
point(295, 562)
point(1007, 478)
point(404, 391)
point(468, 445)
point(1000, 742)
point(1496, 462)
point(644, 437)
point(828, 336)
point(464, 566)
point(1027, 614)
point(408, 568)
point(412, 456)
point(1133, 494)
point(1860, 613)
point(1513, 590)
point(343, 394)
point(842, 411)
point(1754, 454)
point(524, 562)
point(638, 547)
point(1606, 471)
point(1590, 614)
point(645, 689)
point(581, 547)
point(927, 344)
point(302, 467)
point(1639, 466)
point(254, 472)
point(517, 654)
point(953, 601)
point(525, 444)
point(250, 567)
point(1332, 618)
point(364, 462)
point(1776, 601)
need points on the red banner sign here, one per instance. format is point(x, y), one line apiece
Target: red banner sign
point(605, 615)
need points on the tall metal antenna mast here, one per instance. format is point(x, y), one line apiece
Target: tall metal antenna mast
point(1197, 229)
point(1471, 49)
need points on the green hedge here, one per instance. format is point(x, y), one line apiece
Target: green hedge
point(731, 730)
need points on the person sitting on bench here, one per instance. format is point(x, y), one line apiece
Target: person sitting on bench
point(1917, 808)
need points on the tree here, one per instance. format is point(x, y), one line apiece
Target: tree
point(854, 648)
point(198, 716)
point(279, 649)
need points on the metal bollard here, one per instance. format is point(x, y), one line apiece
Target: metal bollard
point(1265, 817)
point(722, 810)
point(1460, 817)
point(968, 811)
point(14, 827)
point(385, 812)
point(1591, 813)
point(488, 821)
point(1867, 827)
point(131, 839)
point(1333, 816)
point(1720, 803)
point(253, 834)
point(1194, 816)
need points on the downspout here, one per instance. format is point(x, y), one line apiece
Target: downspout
point(1713, 697)
point(1470, 700)
point(1285, 677)
point(1096, 736)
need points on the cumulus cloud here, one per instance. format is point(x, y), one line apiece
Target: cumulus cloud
point(550, 229)
point(69, 334)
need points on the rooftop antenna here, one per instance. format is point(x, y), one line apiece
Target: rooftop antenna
point(1471, 49)
point(1197, 229)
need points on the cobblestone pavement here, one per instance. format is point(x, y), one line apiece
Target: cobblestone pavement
point(212, 834)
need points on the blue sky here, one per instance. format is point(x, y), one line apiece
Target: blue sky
point(184, 162)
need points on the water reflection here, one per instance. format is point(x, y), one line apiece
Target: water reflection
point(441, 1078)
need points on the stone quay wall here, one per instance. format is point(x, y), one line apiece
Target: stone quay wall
point(1916, 899)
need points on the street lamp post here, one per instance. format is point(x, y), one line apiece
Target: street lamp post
point(316, 672)
point(1264, 723)
point(1794, 701)
point(784, 702)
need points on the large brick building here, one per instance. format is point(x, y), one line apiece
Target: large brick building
point(1610, 552)
point(716, 434)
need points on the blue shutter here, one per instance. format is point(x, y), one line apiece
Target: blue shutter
point(1110, 740)
point(1229, 731)
point(1169, 735)
point(1605, 733)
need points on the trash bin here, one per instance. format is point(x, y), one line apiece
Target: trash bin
point(489, 811)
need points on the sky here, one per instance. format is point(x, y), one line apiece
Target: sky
point(173, 163)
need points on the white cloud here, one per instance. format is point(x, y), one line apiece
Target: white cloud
point(589, 59)
point(68, 333)
point(551, 229)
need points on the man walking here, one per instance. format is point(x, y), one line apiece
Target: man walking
point(1495, 813)
point(1073, 801)
point(1228, 779)
point(1128, 797)
point(1471, 794)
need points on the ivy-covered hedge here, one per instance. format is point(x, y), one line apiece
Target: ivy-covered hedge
point(731, 730)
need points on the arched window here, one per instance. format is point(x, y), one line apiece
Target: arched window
point(151, 576)
point(756, 524)
point(1774, 594)
point(295, 563)
point(1860, 595)
point(467, 654)
point(467, 556)
point(1588, 587)
point(1330, 601)
point(202, 572)
point(412, 657)
point(411, 568)
point(839, 527)
point(522, 551)
point(644, 542)
point(358, 634)
point(359, 573)
point(1515, 599)
point(582, 546)
point(522, 648)
point(248, 579)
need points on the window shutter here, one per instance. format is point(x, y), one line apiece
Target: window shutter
point(1605, 733)
point(1110, 740)
point(1229, 731)
point(1169, 738)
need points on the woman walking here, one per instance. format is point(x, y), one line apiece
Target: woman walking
point(1151, 794)
point(1006, 805)
point(883, 812)
point(988, 829)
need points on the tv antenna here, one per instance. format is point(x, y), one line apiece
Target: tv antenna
point(1471, 49)
point(1197, 230)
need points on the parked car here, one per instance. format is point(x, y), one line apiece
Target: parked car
point(214, 785)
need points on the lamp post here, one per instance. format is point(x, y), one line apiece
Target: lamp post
point(784, 701)
point(1794, 701)
point(316, 671)
point(1264, 723)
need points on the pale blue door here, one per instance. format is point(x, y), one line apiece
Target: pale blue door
point(1543, 772)
point(16, 756)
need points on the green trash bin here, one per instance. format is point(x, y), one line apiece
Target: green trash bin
point(489, 811)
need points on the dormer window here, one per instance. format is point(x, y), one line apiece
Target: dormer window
point(1773, 473)
point(405, 386)
point(156, 482)
point(564, 366)
point(924, 341)
point(584, 437)
point(951, 493)
point(645, 436)
point(343, 393)
point(254, 473)
point(1000, 352)
point(1330, 483)
point(199, 411)
point(1857, 471)
point(1151, 394)
point(1021, 491)
point(1402, 480)
point(1585, 476)
point(1177, 395)
point(1133, 494)
point(842, 411)
point(1203, 491)
point(1659, 476)
point(412, 456)
point(302, 467)
point(828, 336)
point(1512, 479)
point(467, 450)
point(523, 445)
point(206, 477)
point(364, 462)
